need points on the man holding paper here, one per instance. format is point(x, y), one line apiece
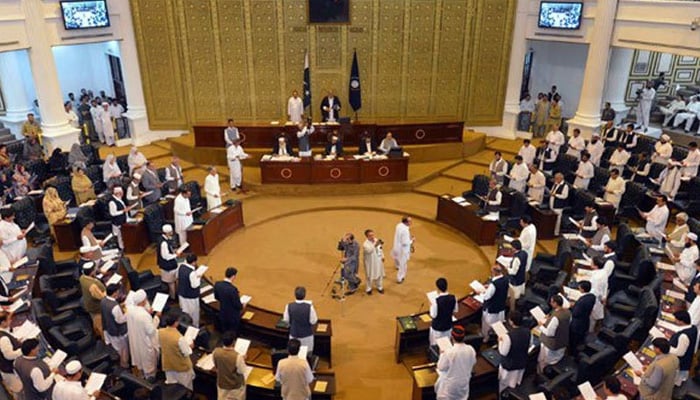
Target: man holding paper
point(495, 296)
point(555, 333)
point(114, 324)
point(683, 345)
point(117, 212)
point(373, 257)
point(685, 262)
point(37, 376)
point(143, 334)
point(454, 368)
point(581, 316)
point(403, 242)
point(175, 351)
point(301, 317)
point(659, 376)
point(441, 310)
point(518, 175)
point(212, 188)
point(167, 259)
point(516, 273)
point(93, 291)
point(513, 348)
point(10, 350)
point(657, 218)
point(230, 381)
point(226, 293)
point(294, 374)
point(72, 388)
point(183, 213)
point(189, 281)
point(14, 242)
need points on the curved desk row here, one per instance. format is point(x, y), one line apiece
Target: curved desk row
point(340, 170)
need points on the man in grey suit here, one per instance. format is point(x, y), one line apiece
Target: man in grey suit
point(351, 259)
point(151, 182)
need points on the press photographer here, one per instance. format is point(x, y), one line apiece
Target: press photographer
point(351, 252)
point(373, 255)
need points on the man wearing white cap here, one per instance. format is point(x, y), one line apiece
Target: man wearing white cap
point(114, 324)
point(143, 335)
point(93, 291)
point(134, 195)
point(118, 210)
point(72, 388)
point(105, 123)
point(662, 150)
point(89, 254)
point(10, 349)
point(685, 262)
point(167, 259)
point(670, 179)
point(595, 148)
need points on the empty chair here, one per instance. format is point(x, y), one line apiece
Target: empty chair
point(64, 189)
point(196, 199)
point(480, 187)
point(154, 219)
point(94, 172)
point(510, 220)
point(25, 214)
point(631, 200)
point(142, 280)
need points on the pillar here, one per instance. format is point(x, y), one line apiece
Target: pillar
point(515, 71)
point(616, 81)
point(587, 117)
point(57, 132)
point(17, 102)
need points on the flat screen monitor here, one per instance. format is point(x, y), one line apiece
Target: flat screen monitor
point(560, 15)
point(85, 14)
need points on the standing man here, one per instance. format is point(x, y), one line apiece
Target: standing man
point(304, 136)
point(230, 381)
point(167, 259)
point(555, 334)
point(663, 150)
point(330, 108)
point(173, 175)
point(536, 184)
point(683, 344)
point(595, 149)
point(105, 123)
point(10, 350)
point(142, 330)
point(183, 213)
point(441, 312)
point(541, 115)
point(576, 144)
point(31, 128)
point(581, 316)
point(294, 374)
point(117, 211)
point(498, 168)
point(37, 377)
point(71, 388)
point(373, 256)
point(93, 291)
point(133, 194)
point(528, 238)
point(350, 261)
point(212, 188)
point(492, 201)
point(527, 151)
point(614, 189)
point(518, 175)
point(608, 113)
point(114, 323)
point(231, 133)
point(234, 155)
point(516, 273)
point(96, 112)
point(555, 138)
point(455, 367)
point(403, 242)
point(175, 353)
point(495, 297)
point(629, 138)
point(657, 218)
point(558, 199)
point(226, 293)
point(301, 317)
point(513, 349)
point(188, 288)
point(691, 161)
point(658, 377)
point(584, 173)
point(295, 108)
point(646, 97)
point(151, 183)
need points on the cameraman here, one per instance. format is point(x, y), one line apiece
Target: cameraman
point(304, 136)
point(374, 261)
point(351, 253)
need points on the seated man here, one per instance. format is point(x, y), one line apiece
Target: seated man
point(335, 146)
point(367, 146)
point(676, 105)
point(282, 147)
point(688, 115)
point(388, 143)
point(669, 180)
point(536, 185)
point(498, 168)
point(663, 149)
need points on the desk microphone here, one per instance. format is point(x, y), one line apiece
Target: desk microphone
point(419, 309)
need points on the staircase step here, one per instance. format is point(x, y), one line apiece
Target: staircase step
point(443, 185)
point(481, 158)
point(466, 171)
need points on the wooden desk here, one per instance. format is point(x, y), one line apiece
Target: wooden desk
point(135, 237)
point(544, 220)
point(264, 135)
point(68, 235)
point(342, 170)
point(466, 220)
point(484, 380)
point(203, 238)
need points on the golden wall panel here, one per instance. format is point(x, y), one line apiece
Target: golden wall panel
point(205, 60)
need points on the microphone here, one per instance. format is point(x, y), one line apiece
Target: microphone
point(419, 309)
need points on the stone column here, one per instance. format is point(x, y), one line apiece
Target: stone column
point(57, 132)
point(616, 82)
point(515, 72)
point(17, 102)
point(587, 117)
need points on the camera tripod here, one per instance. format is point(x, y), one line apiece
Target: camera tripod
point(339, 286)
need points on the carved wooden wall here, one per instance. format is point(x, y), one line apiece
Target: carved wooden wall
point(205, 60)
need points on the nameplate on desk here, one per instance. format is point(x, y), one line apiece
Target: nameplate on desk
point(248, 315)
point(322, 328)
point(267, 379)
point(425, 318)
point(320, 386)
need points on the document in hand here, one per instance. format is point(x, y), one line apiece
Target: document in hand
point(477, 286)
point(159, 302)
point(303, 352)
point(16, 305)
point(444, 343)
point(201, 270)
point(500, 329)
point(587, 391)
point(95, 382)
point(28, 330)
point(191, 333)
point(432, 296)
point(245, 299)
point(20, 262)
point(210, 298)
point(206, 362)
point(538, 396)
point(182, 247)
point(242, 346)
point(29, 228)
point(633, 361)
point(57, 359)
point(656, 333)
point(508, 238)
point(108, 238)
point(538, 314)
point(106, 266)
point(116, 278)
point(504, 261)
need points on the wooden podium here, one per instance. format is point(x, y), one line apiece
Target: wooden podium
point(466, 220)
point(220, 222)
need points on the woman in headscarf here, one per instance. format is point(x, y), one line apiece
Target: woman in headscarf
point(4, 157)
point(136, 160)
point(110, 171)
point(21, 181)
point(54, 208)
point(82, 186)
point(58, 162)
point(76, 157)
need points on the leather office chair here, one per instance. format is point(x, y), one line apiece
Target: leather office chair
point(510, 220)
point(46, 320)
point(64, 189)
point(49, 266)
point(480, 187)
point(620, 336)
point(694, 225)
point(645, 144)
point(123, 163)
point(631, 199)
point(94, 172)
point(37, 168)
point(550, 265)
point(142, 280)
point(59, 299)
point(689, 201)
point(158, 391)
point(196, 199)
point(567, 165)
point(599, 180)
point(605, 158)
point(25, 214)
point(646, 311)
point(154, 219)
point(640, 272)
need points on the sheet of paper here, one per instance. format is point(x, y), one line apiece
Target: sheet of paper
point(633, 361)
point(57, 358)
point(587, 391)
point(656, 332)
point(245, 299)
point(268, 379)
point(116, 278)
point(459, 199)
point(538, 314)
point(675, 294)
point(242, 346)
point(108, 238)
point(248, 315)
point(508, 238)
point(572, 294)
point(477, 286)
point(322, 328)
point(196, 209)
point(208, 299)
point(6, 276)
point(677, 283)
point(490, 217)
point(444, 343)
point(159, 302)
point(570, 236)
point(205, 288)
point(206, 362)
point(20, 262)
point(29, 228)
point(504, 261)
point(106, 266)
point(16, 305)
point(182, 247)
point(664, 266)
point(500, 329)
point(303, 352)
point(20, 292)
point(426, 318)
point(95, 382)
point(191, 333)
point(538, 396)
point(480, 298)
point(573, 221)
point(201, 270)
point(246, 372)
point(35, 192)
point(668, 325)
point(27, 330)
point(432, 296)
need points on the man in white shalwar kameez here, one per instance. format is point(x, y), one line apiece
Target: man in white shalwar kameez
point(518, 175)
point(142, 329)
point(374, 261)
point(657, 218)
point(528, 238)
point(105, 123)
point(663, 149)
point(295, 108)
point(402, 247)
point(183, 214)
point(685, 261)
point(212, 188)
point(576, 144)
point(14, 242)
point(670, 179)
point(536, 184)
point(584, 173)
point(454, 368)
point(692, 160)
point(234, 155)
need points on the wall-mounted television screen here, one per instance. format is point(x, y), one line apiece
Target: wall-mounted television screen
point(560, 15)
point(85, 14)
